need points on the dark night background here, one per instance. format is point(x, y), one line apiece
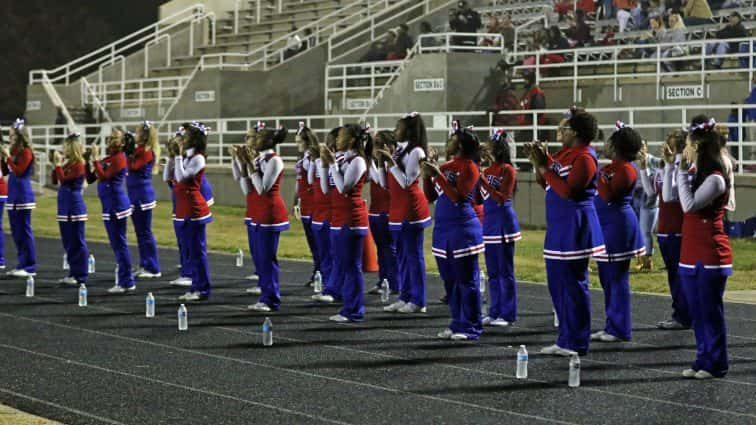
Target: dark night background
point(44, 34)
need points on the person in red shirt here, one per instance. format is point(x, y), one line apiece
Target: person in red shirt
point(706, 255)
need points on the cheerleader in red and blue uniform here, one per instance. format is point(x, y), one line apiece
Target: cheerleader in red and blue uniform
point(70, 173)
point(458, 235)
point(408, 213)
point(501, 229)
point(705, 256)
point(573, 232)
point(669, 225)
point(349, 219)
point(306, 141)
point(110, 172)
point(3, 199)
point(267, 213)
point(20, 201)
point(378, 214)
point(622, 235)
point(142, 165)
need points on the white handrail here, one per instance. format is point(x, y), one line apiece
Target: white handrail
point(522, 26)
point(180, 93)
point(87, 89)
point(56, 100)
point(147, 52)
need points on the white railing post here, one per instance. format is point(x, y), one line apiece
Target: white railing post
point(258, 11)
point(280, 6)
point(236, 16)
point(741, 130)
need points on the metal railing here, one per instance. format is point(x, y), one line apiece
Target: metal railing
point(653, 122)
point(365, 77)
point(528, 25)
point(136, 92)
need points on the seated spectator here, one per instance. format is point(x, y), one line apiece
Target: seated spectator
point(563, 7)
point(425, 28)
point(394, 50)
point(376, 52)
point(492, 27)
point(404, 40)
point(294, 45)
point(464, 19)
point(533, 99)
point(656, 8)
point(675, 34)
point(697, 12)
point(507, 30)
point(557, 40)
point(506, 100)
point(626, 9)
point(578, 32)
point(733, 29)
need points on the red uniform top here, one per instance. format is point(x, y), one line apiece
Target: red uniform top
point(704, 238)
point(190, 204)
point(670, 213)
point(267, 209)
point(526, 104)
point(348, 209)
point(380, 198)
point(580, 170)
point(3, 185)
point(68, 173)
point(20, 160)
point(617, 178)
point(304, 189)
point(506, 175)
point(407, 204)
point(321, 202)
point(140, 158)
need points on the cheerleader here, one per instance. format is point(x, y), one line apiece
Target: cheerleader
point(20, 200)
point(669, 227)
point(325, 197)
point(110, 173)
point(458, 235)
point(349, 219)
point(142, 165)
point(70, 173)
point(705, 256)
point(306, 140)
point(622, 235)
point(3, 199)
point(500, 231)
point(268, 217)
point(378, 215)
point(187, 163)
point(408, 214)
point(573, 232)
point(185, 276)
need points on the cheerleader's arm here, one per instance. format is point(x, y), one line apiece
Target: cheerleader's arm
point(614, 188)
point(312, 170)
point(75, 171)
point(648, 186)
point(236, 169)
point(141, 160)
point(168, 171)
point(669, 184)
point(411, 171)
point(263, 182)
point(323, 174)
point(354, 172)
point(465, 184)
point(377, 176)
point(579, 178)
point(712, 188)
point(117, 163)
point(429, 189)
point(187, 170)
point(19, 163)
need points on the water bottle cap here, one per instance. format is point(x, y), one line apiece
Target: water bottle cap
point(149, 294)
point(522, 346)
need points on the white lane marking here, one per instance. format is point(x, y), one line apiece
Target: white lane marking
point(170, 384)
point(61, 407)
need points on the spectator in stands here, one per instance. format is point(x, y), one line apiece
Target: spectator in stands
point(533, 99)
point(749, 114)
point(376, 52)
point(507, 30)
point(697, 12)
point(733, 29)
point(578, 32)
point(608, 9)
point(404, 40)
point(557, 40)
point(506, 100)
point(394, 50)
point(626, 10)
point(426, 28)
point(492, 27)
point(675, 34)
point(563, 7)
point(464, 19)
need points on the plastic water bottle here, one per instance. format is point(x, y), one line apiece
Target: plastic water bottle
point(317, 283)
point(116, 275)
point(65, 262)
point(385, 291)
point(267, 332)
point(556, 318)
point(574, 371)
point(240, 258)
point(83, 295)
point(29, 286)
point(150, 305)
point(183, 318)
point(483, 284)
point(91, 264)
point(522, 363)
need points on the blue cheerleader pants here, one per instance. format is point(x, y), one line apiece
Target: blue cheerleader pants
point(311, 243)
point(184, 260)
point(568, 285)
point(75, 245)
point(195, 242)
point(116, 229)
point(704, 290)
point(502, 284)
point(265, 255)
point(463, 278)
point(148, 253)
point(322, 237)
point(348, 250)
point(615, 279)
point(410, 264)
point(23, 236)
point(386, 248)
point(2, 235)
point(669, 246)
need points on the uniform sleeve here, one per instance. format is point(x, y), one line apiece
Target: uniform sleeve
point(430, 190)
point(263, 182)
point(377, 175)
point(187, 169)
point(614, 187)
point(583, 170)
point(19, 163)
point(323, 175)
point(506, 189)
point(411, 170)
point(75, 171)
point(312, 170)
point(354, 171)
point(117, 163)
point(141, 160)
point(168, 171)
point(712, 188)
point(236, 168)
point(669, 184)
point(464, 184)
point(648, 186)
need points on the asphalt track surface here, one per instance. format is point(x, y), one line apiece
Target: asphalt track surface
point(107, 363)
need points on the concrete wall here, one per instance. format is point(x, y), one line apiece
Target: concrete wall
point(220, 7)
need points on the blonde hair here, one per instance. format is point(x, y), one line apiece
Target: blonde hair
point(152, 143)
point(678, 24)
point(73, 150)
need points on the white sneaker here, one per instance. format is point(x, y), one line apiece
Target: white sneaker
point(259, 307)
point(395, 306)
point(499, 323)
point(144, 274)
point(609, 338)
point(596, 336)
point(410, 308)
point(191, 296)
point(121, 290)
point(181, 281)
point(445, 334)
point(255, 290)
point(68, 280)
point(321, 298)
point(2, 266)
point(20, 273)
point(487, 321)
point(689, 373)
point(253, 277)
point(702, 374)
point(338, 318)
point(459, 337)
point(670, 325)
point(555, 350)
